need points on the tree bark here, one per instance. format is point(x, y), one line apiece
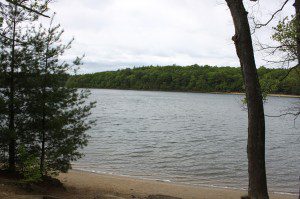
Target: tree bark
point(256, 123)
point(297, 8)
point(12, 136)
point(44, 85)
point(43, 153)
point(42, 163)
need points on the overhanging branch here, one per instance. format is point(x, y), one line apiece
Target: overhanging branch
point(296, 114)
point(27, 8)
point(289, 71)
point(259, 25)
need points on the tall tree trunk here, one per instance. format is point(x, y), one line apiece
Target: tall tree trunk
point(44, 129)
point(297, 8)
point(256, 123)
point(12, 133)
point(43, 140)
point(42, 163)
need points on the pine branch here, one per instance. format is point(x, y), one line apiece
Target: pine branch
point(25, 7)
point(18, 41)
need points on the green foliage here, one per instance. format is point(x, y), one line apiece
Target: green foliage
point(277, 81)
point(13, 66)
point(286, 35)
point(190, 78)
point(45, 121)
point(57, 113)
point(29, 166)
point(3, 133)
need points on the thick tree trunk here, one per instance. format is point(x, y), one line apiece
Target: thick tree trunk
point(12, 136)
point(297, 8)
point(256, 123)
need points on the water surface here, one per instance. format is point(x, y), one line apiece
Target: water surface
point(192, 138)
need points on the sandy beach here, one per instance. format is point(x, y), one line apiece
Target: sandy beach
point(126, 187)
point(86, 185)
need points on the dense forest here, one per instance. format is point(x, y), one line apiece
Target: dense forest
point(193, 78)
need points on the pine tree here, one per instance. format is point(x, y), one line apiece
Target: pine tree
point(58, 114)
point(13, 21)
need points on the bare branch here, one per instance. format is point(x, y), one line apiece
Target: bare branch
point(284, 114)
point(292, 111)
point(289, 71)
point(259, 25)
point(287, 51)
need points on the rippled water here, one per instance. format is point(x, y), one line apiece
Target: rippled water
point(192, 138)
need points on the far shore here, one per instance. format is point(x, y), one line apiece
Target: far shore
point(176, 91)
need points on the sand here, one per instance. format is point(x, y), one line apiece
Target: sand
point(92, 185)
point(86, 185)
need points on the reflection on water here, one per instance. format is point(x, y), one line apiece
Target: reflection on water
point(190, 138)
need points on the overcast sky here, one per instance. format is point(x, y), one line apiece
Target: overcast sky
point(115, 34)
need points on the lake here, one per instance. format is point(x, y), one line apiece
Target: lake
point(190, 138)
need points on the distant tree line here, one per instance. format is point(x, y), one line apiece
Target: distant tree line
point(193, 78)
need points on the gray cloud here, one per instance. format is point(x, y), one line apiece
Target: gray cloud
point(116, 33)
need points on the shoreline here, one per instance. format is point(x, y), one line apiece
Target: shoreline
point(269, 95)
point(139, 187)
point(175, 91)
point(210, 186)
point(77, 184)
